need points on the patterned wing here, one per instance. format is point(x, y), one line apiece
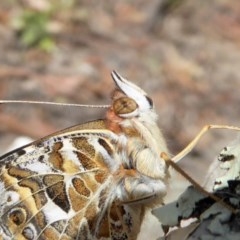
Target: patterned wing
point(92, 181)
point(61, 187)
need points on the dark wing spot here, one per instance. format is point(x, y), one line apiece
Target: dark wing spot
point(41, 158)
point(80, 187)
point(57, 193)
point(56, 190)
point(84, 146)
point(86, 162)
point(19, 173)
point(20, 152)
point(17, 216)
point(106, 146)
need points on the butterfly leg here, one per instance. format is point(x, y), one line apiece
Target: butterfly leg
point(193, 143)
point(142, 189)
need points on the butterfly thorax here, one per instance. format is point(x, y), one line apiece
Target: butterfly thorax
point(140, 152)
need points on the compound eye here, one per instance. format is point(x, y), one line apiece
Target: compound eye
point(124, 105)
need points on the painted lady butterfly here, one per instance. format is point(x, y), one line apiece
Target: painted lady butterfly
point(92, 181)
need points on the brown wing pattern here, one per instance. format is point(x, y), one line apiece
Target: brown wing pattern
point(62, 188)
point(92, 181)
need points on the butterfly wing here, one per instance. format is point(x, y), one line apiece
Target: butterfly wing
point(61, 187)
point(92, 181)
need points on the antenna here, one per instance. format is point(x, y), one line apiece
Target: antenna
point(52, 103)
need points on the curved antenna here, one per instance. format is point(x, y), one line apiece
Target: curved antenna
point(52, 103)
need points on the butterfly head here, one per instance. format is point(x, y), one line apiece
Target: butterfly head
point(129, 99)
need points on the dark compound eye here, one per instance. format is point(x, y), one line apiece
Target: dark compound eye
point(124, 105)
point(150, 101)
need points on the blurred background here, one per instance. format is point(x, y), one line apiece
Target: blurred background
point(185, 54)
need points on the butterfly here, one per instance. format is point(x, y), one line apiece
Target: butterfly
point(96, 180)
